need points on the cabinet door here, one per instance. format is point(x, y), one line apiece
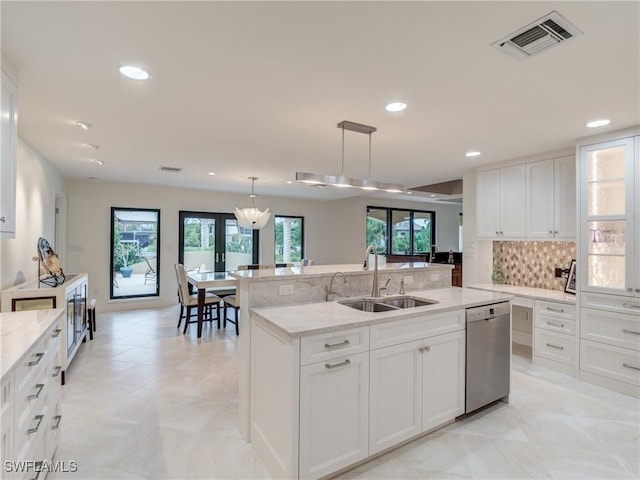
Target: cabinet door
point(512, 201)
point(608, 230)
point(488, 203)
point(565, 212)
point(395, 395)
point(71, 321)
point(8, 130)
point(334, 414)
point(540, 199)
point(443, 382)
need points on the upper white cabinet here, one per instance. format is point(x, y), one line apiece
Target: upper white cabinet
point(610, 205)
point(9, 140)
point(551, 198)
point(500, 202)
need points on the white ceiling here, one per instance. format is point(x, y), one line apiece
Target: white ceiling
point(257, 88)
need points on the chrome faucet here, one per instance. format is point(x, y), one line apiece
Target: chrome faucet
point(375, 289)
point(330, 293)
point(402, 286)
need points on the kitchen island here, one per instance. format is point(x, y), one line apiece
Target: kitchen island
point(333, 386)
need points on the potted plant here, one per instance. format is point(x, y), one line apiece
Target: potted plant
point(124, 254)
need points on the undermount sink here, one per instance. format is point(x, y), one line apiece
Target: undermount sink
point(367, 305)
point(386, 304)
point(407, 302)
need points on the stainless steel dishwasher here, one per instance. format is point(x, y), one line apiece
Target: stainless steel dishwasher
point(488, 354)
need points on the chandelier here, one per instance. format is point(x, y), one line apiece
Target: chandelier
point(345, 182)
point(252, 217)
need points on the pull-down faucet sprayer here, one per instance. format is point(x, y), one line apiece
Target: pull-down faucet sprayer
point(375, 289)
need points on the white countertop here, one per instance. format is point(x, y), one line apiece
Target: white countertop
point(316, 270)
point(312, 318)
point(528, 292)
point(19, 331)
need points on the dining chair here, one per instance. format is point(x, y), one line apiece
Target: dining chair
point(189, 301)
point(233, 302)
point(306, 262)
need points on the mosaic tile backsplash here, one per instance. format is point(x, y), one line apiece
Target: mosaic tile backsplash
point(532, 264)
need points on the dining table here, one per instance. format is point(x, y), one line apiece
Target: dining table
point(203, 280)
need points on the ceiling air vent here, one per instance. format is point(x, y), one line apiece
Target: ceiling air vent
point(544, 33)
point(170, 169)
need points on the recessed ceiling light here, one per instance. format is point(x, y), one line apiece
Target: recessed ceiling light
point(409, 193)
point(472, 153)
point(598, 123)
point(84, 125)
point(93, 179)
point(134, 73)
point(92, 146)
point(212, 173)
point(396, 107)
point(433, 195)
point(289, 181)
point(97, 162)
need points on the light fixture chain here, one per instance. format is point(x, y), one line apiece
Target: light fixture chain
point(369, 175)
point(342, 168)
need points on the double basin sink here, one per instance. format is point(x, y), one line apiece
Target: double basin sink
point(386, 304)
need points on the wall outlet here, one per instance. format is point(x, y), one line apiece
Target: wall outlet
point(285, 289)
point(558, 272)
point(435, 277)
point(408, 279)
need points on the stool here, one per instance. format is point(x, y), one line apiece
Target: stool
point(91, 318)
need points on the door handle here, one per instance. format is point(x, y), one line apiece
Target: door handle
point(336, 365)
point(554, 346)
point(217, 257)
point(224, 257)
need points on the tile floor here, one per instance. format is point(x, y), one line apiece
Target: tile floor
point(144, 401)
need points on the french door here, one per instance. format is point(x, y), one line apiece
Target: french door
point(215, 242)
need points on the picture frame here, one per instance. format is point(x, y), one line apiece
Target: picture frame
point(570, 286)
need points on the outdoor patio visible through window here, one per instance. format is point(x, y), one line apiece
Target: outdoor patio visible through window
point(289, 245)
point(135, 250)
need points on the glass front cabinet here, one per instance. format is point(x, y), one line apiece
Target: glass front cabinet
point(610, 205)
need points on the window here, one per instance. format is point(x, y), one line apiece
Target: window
point(400, 232)
point(289, 241)
point(215, 242)
point(135, 252)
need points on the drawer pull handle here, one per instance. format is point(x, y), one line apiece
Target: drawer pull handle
point(329, 346)
point(424, 349)
point(630, 331)
point(554, 346)
point(56, 333)
point(336, 365)
point(58, 419)
point(57, 371)
point(558, 310)
point(39, 388)
point(35, 429)
point(630, 305)
point(35, 362)
point(554, 324)
point(626, 365)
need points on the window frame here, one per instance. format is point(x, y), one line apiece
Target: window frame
point(112, 278)
point(302, 246)
point(389, 227)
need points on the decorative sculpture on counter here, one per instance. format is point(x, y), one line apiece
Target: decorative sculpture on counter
point(50, 272)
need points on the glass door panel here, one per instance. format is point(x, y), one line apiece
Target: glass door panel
point(421, 232)
point(606, 164)
point(606, 197)
point(400, 232)
point(606, 271)
point(377, 228)
point(238, 248)
point(199, 240)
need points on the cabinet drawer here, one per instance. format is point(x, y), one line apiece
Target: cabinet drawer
point(30, 366)
point(554, 309)
point(29, 401)
point(554, 346)
point(6, 394)
point(31, 428)
point(325, 346)
point(612, 303)
point(522, 302)
point(610, 327)
point(400, 331)
point(609, 361)
point(555, 324)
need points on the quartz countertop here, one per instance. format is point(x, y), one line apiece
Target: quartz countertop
point(317, 270)
point(19, 331)
point(321, 317)
point(528, 292)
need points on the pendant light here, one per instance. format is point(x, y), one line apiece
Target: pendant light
point(342, 181)
point(252, 217)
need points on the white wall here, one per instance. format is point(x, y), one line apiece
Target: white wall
point(37, 186)
point(334, 231)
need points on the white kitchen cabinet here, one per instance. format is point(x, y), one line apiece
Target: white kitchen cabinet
point(8, 154)
point(416, 386)
point(334, 414)
point(551, 198)
point(609, 266)
point(500, 202)
point(555, 339)
point(71, 295)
